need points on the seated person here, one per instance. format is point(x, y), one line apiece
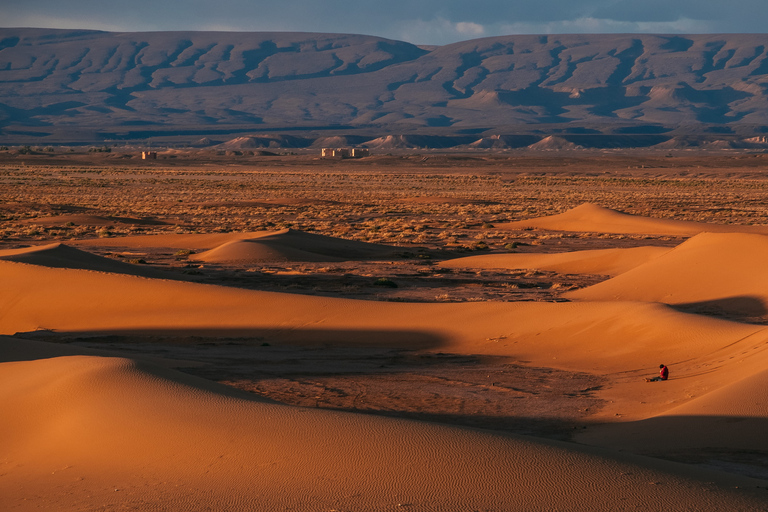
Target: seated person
point(663, 374)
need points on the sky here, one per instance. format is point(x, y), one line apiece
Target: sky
point(433, 22)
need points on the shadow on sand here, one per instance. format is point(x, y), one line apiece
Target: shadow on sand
point(743, 308)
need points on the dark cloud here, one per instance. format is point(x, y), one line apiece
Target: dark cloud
point(659, 10)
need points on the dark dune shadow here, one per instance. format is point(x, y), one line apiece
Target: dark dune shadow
point(548, 428)
point(745, 308)
point(58, 255)
point(477, 391)
point(728, 443)
point(14, 349)
point(320, 338)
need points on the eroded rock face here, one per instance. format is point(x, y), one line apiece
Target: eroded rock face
point(141, 83)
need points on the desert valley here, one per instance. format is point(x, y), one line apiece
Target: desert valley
point(241, 324)
point(412, 332)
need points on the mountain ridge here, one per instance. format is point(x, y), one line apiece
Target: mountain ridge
point(119, 84)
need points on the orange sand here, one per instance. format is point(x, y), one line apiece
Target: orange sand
point(610, 262)
point(708, 267)
point(596, 219)
point(93, 432)
point(79, 431)
point(291, 245)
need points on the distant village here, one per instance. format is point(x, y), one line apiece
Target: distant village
point(338, 153)
point(344, 152)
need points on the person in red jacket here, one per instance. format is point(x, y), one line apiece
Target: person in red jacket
point(663, 374)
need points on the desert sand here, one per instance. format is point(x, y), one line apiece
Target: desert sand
point(591, 217)
point(105, 407)
point(610, 262)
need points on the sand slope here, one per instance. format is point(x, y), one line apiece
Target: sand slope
point(59, 255)
point(594, 218)
point(291, 245)
point(610, 262)
point(171, 241)
point(76, 428)
point(67, 300)
point(80, 432)
point(731, 419)
point(727, 271)
point(622, 340)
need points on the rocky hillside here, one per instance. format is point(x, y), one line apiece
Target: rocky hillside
point(64, 83)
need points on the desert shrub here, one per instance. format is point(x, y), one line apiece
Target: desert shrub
point(384, 281)
point(184, 252)
point(512, 245)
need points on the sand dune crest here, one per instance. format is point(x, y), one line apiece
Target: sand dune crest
point(593, 218)
point(291, 245)
point(610, 262)
point(726, 270)
point(58, 255)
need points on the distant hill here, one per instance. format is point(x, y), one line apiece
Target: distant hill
point(91, 85)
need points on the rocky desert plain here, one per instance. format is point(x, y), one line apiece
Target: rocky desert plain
point(243, 325)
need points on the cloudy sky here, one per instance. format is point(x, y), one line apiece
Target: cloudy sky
point(416, 21)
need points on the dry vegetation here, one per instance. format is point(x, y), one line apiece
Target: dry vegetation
point(432, 206)
point(437, 201)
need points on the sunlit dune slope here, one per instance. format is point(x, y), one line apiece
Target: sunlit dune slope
point(727, 270)
point(733, 418)
point(80, 432)
point(612, 336)
point(58, 255)
point(172, 241)
point(594, 218)
point(291, 245)
point(622, 338)
point(598, 261)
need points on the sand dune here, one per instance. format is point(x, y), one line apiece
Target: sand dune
point(593, 218)
point(601, 337)
point(610, 262)
point(719, 270)
point(76, 428)
point(291, 245)
point(79, 432)
point(58, 255)
point(256, 251)
point(731, 420)
point(254, 246)
point(171, 241)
